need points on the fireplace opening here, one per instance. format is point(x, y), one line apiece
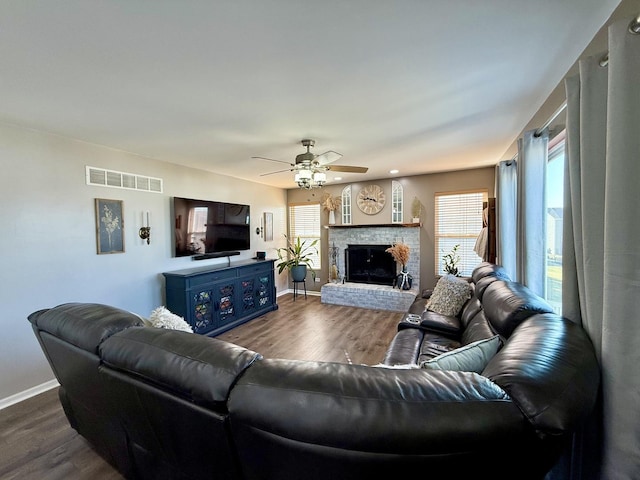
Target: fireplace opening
point(370, 264)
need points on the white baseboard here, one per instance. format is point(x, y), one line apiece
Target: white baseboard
point(26, 394)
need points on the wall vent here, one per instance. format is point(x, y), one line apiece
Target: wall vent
point(131, 181)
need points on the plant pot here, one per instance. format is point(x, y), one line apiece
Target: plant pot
point(299, 273)
point(415, 219)
point(332, 217)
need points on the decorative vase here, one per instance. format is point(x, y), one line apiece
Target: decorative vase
point(299, 273)
point(332, 217)
point(404, 279)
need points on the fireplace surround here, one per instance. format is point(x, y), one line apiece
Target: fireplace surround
point(370, 295)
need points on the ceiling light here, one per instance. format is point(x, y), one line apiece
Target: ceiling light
point(319, 178)
point(393, 172)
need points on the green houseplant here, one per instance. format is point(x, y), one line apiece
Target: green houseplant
point(297, 257)
point(451, 261)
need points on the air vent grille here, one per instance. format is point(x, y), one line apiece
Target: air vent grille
point(131, 181)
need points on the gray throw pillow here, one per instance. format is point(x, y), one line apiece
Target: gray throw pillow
point(449, 295)
point(470, 358)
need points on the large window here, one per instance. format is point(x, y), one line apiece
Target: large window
point(458, 221)
point(304, 222)
point(555, 208)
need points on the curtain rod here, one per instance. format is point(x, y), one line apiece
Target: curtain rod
point(560, 109)
point(634, 28)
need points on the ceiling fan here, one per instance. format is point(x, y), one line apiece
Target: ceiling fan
point(311, 169)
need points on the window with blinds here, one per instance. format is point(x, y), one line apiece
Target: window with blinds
point(458, 221)
point(304, 222)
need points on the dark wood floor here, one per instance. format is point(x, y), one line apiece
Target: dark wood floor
point(36, 441)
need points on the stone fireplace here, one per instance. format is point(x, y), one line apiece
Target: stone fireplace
point(360, 291)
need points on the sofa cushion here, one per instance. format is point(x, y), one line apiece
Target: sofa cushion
point(486, 269)
point(470, 358)
point(85, 325)
point(469, 310)
point(477, 329)
point(449, 295)
point(198, 368)
point(507, 304)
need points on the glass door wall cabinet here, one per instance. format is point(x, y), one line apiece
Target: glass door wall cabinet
point(214, 299)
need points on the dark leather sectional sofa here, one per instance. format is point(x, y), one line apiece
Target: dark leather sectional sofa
point(160, 403)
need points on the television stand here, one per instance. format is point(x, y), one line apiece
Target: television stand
point(216, 298)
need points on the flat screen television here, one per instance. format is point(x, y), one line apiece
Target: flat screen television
point(204, 227)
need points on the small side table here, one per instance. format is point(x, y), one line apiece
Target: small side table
point(295, 289)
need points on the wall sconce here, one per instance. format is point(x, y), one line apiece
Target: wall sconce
point(145, 232)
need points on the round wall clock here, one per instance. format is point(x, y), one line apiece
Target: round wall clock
point(371, 199)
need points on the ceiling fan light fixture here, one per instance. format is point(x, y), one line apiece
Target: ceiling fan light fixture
point(319, 178)
point(311, 169)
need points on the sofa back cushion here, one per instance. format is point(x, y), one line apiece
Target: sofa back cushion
point(196, 367)
point(507, 304)
point(478, 328)
point(487, 269)
point(85, 325)
point(470, 310)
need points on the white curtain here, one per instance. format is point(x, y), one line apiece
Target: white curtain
point(602, 242)
point(532, 211)
point(506, 193)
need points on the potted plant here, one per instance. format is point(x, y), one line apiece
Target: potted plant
point(416, 210)
point(296, 257)
point(451, 261)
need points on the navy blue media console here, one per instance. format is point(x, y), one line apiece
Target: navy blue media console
point(214, 299)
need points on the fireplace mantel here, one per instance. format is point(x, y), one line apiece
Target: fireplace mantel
point(380, 225)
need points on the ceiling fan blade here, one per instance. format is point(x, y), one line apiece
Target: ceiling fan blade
point(347, 169)
point(279, 171)
point(327, 157)
point(273, 160)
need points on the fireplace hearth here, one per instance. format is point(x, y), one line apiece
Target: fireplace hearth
point(369, 264)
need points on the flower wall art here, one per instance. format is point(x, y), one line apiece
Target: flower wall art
point(109, 226)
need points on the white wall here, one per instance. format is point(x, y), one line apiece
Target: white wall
point(48, 243)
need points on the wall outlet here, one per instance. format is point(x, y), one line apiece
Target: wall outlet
point(317, 280)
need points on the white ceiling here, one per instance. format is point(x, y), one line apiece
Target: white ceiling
point(420, 86)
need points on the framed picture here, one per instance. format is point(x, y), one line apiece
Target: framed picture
point(268, 226)
point(109, 226)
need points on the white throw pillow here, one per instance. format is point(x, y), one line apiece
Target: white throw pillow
point(163, 318)
point(470, 358)
point(449, 295)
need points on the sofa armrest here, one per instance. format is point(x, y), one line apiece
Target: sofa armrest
point(549, 368)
